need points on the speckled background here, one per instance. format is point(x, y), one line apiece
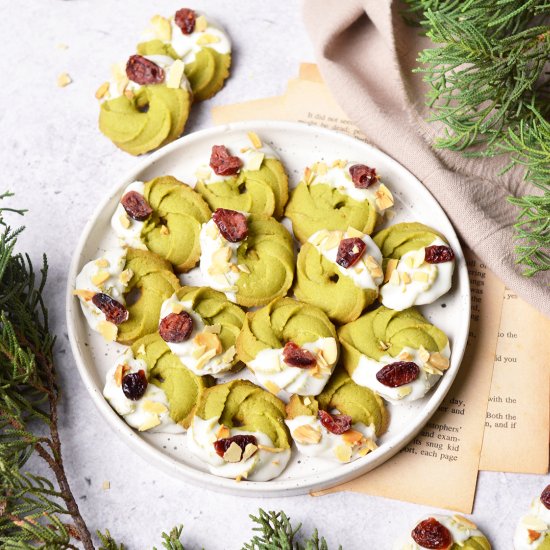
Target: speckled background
point(60, 166)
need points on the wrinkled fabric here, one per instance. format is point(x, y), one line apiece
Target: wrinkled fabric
point(366, 52)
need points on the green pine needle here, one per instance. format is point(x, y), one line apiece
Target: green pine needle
point(490, 87)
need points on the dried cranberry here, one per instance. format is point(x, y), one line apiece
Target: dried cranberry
point(143, 71)
point(432, 534)
point(136, 206)
point(362, 175)
point(221, 445)
point(545, 497)
point(335, 423)
point(232, 224)
point(398, 374)
point(185, 20)
point(438, 254)
point(349, 251)
point(134, 385)
point(176, 327)
point(223, 163)
point(114, 311)
point(299, 357)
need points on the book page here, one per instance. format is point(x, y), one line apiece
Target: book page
point(516, 428)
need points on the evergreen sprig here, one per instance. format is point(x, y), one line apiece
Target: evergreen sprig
point(490, 87)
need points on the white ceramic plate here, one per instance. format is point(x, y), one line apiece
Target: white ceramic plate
point(298, 145)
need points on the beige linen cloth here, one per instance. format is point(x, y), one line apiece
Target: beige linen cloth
point(365, 52)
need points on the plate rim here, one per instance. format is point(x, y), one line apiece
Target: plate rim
point(273, 488)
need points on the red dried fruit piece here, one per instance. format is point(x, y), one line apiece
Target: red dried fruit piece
point(299, 357)
point(398, 374)
point(134, 385)
point(232, 224)
point(114, 311)
point(223, 163)
point(437, 254)
point(349, 251)
point(176, 327)
point(545, 497)
point(362, 175)
point(185, 19)
point(432, 534)
point(221, 445)
point(136, 206)
point(335, 423)
point(143, 71)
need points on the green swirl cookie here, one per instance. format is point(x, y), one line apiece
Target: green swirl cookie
point(152, 282)
point(314, 205)
point(241, 404)
point(398, 239)
point(343, 394)
point(173, 230)
point(386, 332)
point(283, 320)
point(215, 309)
point(341, 293)
point(145, 118)
point(183, 388)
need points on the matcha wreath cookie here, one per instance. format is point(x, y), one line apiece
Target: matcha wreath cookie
point(244, 175)
point(339, 272)
point(200, 326)
point(250, 258)
point(397, 354)
point(146, 103)
point(239, 432)
point(336, 197)
point(533, 530)
point(104, 284)
point(419, 268)
point(445, 533)
point(289, 346)
point(341, 424)
point(151, 390)
point(164, 216)
point(199, 42)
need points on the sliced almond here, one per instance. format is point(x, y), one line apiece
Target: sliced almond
point(340, 163)
point(383, 197)
point(233, 268)
point(461, 520)
point(129, 94)
point(126, 276)
point(229, 354)
point(316, 239)
point(534, 522)
point(107, 330)
point(352, 437)
point(201, 23)
point(255, 140)
point(395, 279)
point(404, 356)
point(102, 262)
point(272, 387)
point(223, 432)
point(141, 350)
point(102, 90)
point(418, 258)
point(203, 359)
point(383, 345)
point(403, 391)
point(321, 168)
point(64, 80)
point(392, 264)
point(254, 161)
point(306, 434)
point(233, 454)
point(162, 28)
point(100, 277)
point(330, 351)
point(173, 80)
point(352, 232)
point(164, 230)
point(120, 371)
point(216, 328)
point(368, 446)
point(307, 175)
point(307, 401)
point(148, 424)
point(84, 294)
point(420, 276)
point(249, 450)
point(332, 240)
point(343, 453)
point(124, 221)
point(243, 268)
point(268, 449)
point(438, 361)
point(432, 370)
point(154, 407)
point(209, 340)
point(204, 173)
point(405, 277)
point(424, 354)
point(206, 39)
point(198, 352)
point(176, 307)
point(409, 261)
